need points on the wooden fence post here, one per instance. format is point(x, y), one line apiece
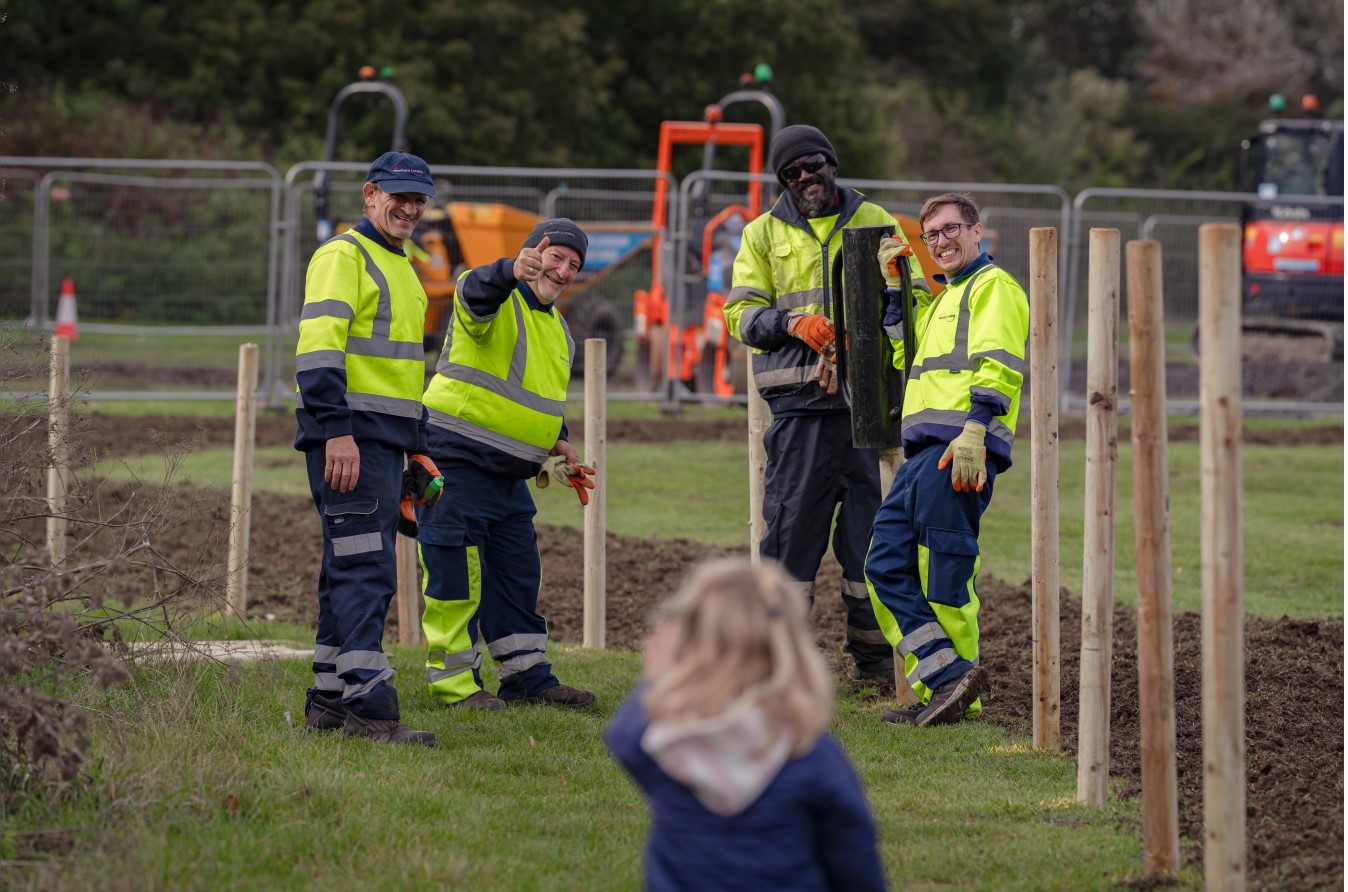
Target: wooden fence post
point(1151, 536)
point(1219, 293)
point(596, 434)
point(241, 490)
point(760, 416)
point(1097, 572)
point(58, 445)
point(1045, 556)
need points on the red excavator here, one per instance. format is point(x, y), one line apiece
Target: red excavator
point(1292, 256)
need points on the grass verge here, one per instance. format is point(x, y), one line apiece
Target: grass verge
point(201, 778)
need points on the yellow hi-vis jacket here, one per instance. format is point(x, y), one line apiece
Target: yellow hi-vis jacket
point(501, 378)
point(784, 268)
point(359, 361)
point(969, 362)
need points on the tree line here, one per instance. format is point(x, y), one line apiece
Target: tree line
point(1147, 93)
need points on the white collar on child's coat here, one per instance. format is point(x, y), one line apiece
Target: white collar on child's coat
point(727, 760)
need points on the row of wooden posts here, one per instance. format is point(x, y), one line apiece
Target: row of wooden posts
point(1222, 585)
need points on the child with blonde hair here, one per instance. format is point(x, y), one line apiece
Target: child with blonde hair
point(726, 738)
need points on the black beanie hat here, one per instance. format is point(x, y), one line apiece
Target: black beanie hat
point(559, 231)
point(792, 142)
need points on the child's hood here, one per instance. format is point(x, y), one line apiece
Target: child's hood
point(727, 760)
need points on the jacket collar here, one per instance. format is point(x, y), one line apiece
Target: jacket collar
point(531, 300)
point(785, 209)
point(982, 260)
point(367, 229)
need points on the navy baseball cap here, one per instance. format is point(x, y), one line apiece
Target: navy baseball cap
point(395, 172)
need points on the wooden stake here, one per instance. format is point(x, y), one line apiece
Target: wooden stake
point(1151, 536)
point(760, 417)
point(241, 492)
point(1045, 557)
point(1219, 293)
point(596, 433)
point(409, 590)
point(58, 433)
point(1097, 572)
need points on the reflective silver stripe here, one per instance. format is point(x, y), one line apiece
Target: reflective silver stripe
point(520, 354)
point(513, 643)
point(362, 659)
point(328, 681)
point(794, 299)
point(320, 359)
point(744, 292)
point(796, 374)
point(956, 418)
point(383, 314)
point(317, 309)
point(355, 690)
point(749, 314)
point(389, 405)
point(326, 653)
point(362, 543)
point(930, 665)
point(920, 284)
point(454, 664)
point(519, 664)
point(1003, 404)
point(924, 634)
point(517, 448)
point(506, 389)
point(383, 348)
point(855, 589)
point(1006, 358)
point(866, 636)
point(958, 359)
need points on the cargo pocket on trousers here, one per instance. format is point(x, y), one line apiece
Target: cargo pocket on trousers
point(952, 556)
point(353, 528)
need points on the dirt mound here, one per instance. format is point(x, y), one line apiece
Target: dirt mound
point(1294, 669)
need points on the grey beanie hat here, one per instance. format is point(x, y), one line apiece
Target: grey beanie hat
point(792, 142)
point(559, 231)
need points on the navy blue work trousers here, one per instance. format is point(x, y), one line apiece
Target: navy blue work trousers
point(357, 581)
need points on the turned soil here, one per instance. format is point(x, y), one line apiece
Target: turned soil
point(1293, 679)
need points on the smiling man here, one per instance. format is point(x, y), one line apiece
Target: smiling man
point(779, 304)
point(494, 413)
point(359, 367)
point(959, 413)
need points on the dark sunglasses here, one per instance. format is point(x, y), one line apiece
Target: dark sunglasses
point(813, 164)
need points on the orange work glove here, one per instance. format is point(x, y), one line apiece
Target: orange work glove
point(813, 329)
point(576, 476)
point(422, 484)
point(891, 249)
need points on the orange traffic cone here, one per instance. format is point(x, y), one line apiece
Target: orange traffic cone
point(67, 321)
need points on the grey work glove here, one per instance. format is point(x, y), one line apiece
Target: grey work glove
point(970, 454)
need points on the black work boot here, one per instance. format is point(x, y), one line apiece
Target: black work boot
point(879, 670)
point(561, 695)
point(906, 716)
point(481, 700)
point(952, 698)
point(323, 711)
point(386, 730)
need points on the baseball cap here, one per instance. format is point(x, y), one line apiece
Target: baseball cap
point(395, 172)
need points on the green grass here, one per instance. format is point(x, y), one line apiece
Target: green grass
point(201, 779)
point(699, 491)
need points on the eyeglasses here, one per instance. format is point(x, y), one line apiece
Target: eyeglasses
point(950, 231)
point(812, 164)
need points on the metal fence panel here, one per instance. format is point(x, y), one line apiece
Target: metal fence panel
point(1173, 218)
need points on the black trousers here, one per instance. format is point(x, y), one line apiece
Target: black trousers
point(814, 472)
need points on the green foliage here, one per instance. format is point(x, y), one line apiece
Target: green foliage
point(1139, 93)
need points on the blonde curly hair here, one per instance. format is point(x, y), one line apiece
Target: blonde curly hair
point(740, 633)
